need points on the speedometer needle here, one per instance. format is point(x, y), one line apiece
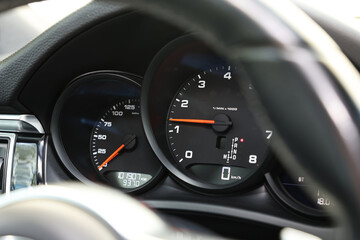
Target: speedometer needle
point(128, 140)
point(202, 121)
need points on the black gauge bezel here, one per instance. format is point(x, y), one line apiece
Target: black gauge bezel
point(276, 189)
point(57, 137)
point(160, 147)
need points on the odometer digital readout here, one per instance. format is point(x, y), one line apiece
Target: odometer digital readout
point(129, 179)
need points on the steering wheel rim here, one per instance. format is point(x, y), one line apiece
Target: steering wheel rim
point(276, 39)
point(320, 73)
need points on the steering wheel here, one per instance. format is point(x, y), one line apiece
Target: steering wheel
point(308, 89)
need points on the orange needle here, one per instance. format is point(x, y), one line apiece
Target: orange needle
point(111, 156)
point(128, 140)
point(193, 121)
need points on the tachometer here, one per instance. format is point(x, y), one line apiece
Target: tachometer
point(212, 134)
point(201, 127)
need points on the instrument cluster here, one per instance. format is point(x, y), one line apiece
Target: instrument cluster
point(191, 116)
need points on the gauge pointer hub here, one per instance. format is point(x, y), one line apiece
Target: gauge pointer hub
point(129, 143)
point(224, 123)
point(221, 122)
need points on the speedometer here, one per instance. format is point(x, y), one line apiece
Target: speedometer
point(212, 135)
point(119, 150)
point(98, 132)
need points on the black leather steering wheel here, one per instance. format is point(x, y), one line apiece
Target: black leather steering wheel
point(308, 89)
point(307, 86)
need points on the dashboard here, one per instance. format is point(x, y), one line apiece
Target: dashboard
point(134, 103)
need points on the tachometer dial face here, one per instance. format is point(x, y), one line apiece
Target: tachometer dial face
point(119, 150)
point(211, 133)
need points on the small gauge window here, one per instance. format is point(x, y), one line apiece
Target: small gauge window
point(299, 192)
point(304, 191)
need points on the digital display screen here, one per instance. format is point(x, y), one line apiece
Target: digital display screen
point(128, 179)
point(305, 191)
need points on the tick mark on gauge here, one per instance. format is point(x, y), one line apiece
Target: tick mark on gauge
point(181, 160)
point(177, 100)
point(174, 150)
point(171, 130)
point(199, 76)
point(94, 153)
point(102, 120)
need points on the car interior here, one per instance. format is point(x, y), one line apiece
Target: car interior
point(180, 119)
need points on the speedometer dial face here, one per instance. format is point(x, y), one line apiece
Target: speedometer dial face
point(119, 150)
point(211, 133)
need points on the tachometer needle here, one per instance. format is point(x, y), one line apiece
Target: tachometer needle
point(192, 120)
point(128, 140)
point(201, 121)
